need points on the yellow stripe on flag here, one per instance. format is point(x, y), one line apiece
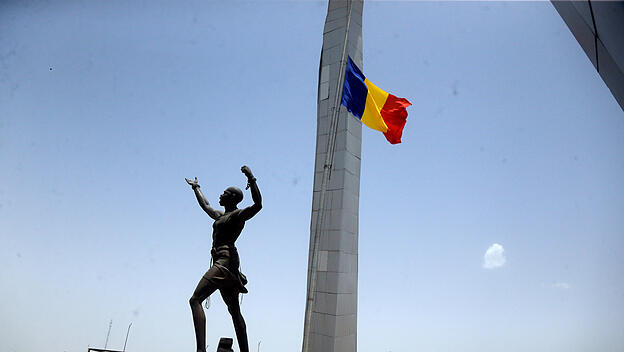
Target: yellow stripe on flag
point(375, 100)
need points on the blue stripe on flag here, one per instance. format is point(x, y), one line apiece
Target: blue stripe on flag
point(354, 91)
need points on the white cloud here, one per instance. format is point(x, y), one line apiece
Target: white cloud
point(561, 285)
point(494, 257)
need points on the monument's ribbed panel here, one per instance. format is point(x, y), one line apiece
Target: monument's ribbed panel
point(598, 28)
point(331, 315)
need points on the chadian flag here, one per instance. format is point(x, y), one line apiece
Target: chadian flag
point(375, 108)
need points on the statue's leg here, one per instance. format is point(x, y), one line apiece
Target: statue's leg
point(230, 297)
point(204, 289)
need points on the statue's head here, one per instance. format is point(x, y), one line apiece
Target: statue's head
point(231, 196)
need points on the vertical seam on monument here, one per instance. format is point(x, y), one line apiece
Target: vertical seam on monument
point(591, 10)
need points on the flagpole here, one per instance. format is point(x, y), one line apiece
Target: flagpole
point(333, 129)
point(334, 121)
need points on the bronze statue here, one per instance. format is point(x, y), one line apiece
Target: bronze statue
point(224, 274)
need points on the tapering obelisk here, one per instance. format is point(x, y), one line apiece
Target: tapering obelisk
point(331, 309)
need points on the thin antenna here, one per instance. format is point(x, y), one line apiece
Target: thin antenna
point(108, 334)
point(127, 333)
point(259, 345)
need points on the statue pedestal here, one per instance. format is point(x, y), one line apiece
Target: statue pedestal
point(225, 345)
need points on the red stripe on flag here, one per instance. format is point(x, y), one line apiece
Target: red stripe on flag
point(394, 114)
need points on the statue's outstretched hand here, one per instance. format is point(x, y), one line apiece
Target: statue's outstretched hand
point(192, 183)
point(247, 171)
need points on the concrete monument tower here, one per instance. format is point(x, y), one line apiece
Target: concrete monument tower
point(331, 309)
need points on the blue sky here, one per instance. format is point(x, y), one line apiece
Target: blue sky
point(512, 139)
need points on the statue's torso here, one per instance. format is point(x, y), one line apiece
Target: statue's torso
point(226, 229)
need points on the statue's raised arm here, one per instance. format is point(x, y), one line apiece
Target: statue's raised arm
point(250, 211)
point(203, 203)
